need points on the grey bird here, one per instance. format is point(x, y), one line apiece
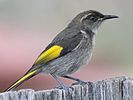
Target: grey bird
point(71, 49)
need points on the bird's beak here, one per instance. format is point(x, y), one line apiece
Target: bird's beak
point(109, 17)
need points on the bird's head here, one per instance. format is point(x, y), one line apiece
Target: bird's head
point(90, 19)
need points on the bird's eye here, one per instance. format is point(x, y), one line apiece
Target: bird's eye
point(89, 18)
point(92, 18)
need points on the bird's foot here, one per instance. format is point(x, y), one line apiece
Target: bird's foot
point(64, 87)
point(80, 82)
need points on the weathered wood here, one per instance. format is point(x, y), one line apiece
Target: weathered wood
point(120, 88)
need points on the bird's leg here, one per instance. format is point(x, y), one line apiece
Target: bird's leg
point(61, 84)
point(75, 79)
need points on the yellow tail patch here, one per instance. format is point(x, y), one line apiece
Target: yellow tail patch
point(21, 80)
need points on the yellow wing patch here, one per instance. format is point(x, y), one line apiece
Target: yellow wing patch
point(50, 54)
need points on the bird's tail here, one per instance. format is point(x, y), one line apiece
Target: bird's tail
point(21, 80)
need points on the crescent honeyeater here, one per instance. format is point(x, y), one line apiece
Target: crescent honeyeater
point(69, 50)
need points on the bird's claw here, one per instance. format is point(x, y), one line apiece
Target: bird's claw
point(80, 82)
point(66, 88)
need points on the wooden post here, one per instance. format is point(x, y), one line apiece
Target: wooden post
point(120, 88)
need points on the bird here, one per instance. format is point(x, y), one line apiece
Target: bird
point(71, 49)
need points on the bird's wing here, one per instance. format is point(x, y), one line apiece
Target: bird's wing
point(58, 48)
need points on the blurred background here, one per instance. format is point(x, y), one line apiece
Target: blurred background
point(28, 26)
